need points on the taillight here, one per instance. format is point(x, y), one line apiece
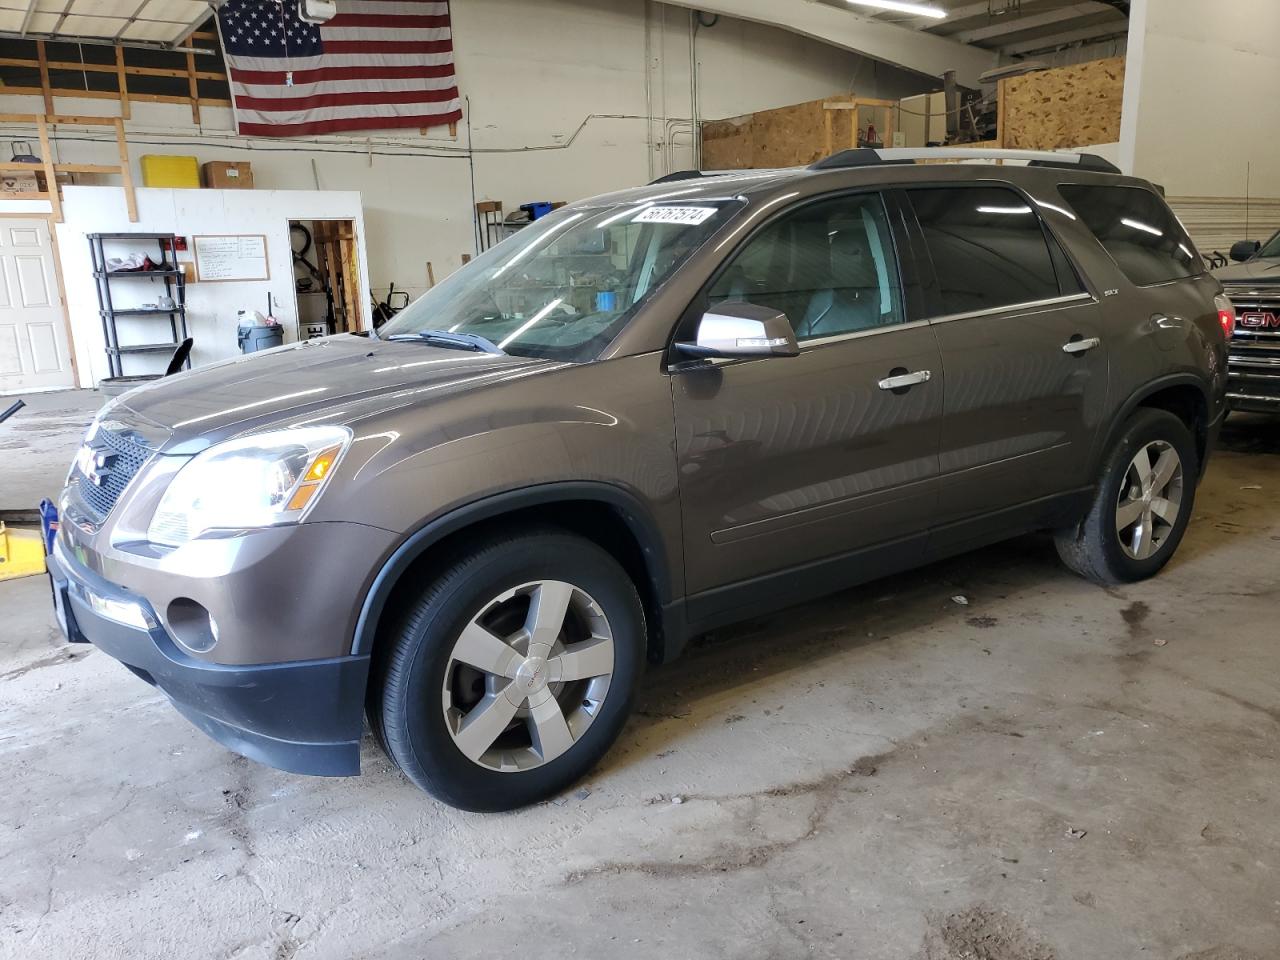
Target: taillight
point(1226, 315)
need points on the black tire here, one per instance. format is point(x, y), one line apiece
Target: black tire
point(1092, 548)
point(406, 696)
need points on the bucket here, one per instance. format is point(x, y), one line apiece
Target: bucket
point(255, 337)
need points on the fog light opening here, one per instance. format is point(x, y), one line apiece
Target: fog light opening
point(192, 625)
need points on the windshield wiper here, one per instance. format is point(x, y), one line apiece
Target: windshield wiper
point(454, 341)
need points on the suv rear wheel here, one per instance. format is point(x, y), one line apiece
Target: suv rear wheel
point(1142, 503)
point(512, 673)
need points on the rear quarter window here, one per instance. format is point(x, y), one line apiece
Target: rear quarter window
point(1135, 226)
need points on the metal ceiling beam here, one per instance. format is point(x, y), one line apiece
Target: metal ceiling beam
point(26, 17)
point(971, 11)
point(1008, 25)
point(1098, 31)
point(839, 26)
point(62, 17)
point(137, 12)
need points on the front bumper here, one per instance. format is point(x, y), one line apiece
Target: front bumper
point(303, 716)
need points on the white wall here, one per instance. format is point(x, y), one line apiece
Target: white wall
point(1201, 103)
point(534, 74)
point(211, 306)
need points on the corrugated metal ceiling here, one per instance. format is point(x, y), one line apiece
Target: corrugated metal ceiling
point(142, 22)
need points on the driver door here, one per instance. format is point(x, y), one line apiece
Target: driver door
point(810, 472)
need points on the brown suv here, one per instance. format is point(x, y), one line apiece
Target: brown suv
point(644, 415)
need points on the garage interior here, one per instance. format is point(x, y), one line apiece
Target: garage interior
point(987, 757)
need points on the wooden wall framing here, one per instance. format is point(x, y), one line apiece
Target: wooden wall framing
point(338, 262)
point(121, 71)
point(51, 169)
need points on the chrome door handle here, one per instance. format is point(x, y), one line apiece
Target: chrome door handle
point(903, 380)
point(1081, 346)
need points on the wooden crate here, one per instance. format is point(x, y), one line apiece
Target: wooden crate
point(1073, 106)
point(795, 135)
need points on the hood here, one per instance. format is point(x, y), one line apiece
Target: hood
point(343, 376)
point(1263, 270)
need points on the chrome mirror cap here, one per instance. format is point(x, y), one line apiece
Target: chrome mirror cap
point(740, 329)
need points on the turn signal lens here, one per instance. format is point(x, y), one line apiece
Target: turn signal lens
point(323, 461)
point(312, 479)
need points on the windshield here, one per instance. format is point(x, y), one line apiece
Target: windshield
point(1271, 248)
point(564, 286)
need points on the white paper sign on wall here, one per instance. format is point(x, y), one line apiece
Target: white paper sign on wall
point(231, 257)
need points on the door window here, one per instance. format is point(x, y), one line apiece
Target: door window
point(1137, 229)
point(988, 247)
point(828, 266)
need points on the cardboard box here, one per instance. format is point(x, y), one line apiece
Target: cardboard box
point(11, 181)
point(222, 175)
point(164, 171)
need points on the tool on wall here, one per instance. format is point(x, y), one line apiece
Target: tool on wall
point(22, 152)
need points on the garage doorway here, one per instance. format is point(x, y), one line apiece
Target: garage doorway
point(326, 274)
point(35, 346)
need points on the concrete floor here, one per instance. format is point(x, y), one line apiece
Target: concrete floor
point(886, 774)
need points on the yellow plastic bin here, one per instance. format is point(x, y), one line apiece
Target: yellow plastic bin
point(159, 170)
point(21, 553)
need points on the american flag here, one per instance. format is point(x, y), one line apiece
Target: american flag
point(378, 64)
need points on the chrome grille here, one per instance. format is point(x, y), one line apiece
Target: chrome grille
point(1253, 361)
point(121, 458)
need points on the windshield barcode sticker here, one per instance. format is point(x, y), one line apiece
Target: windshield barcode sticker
point(688, 216)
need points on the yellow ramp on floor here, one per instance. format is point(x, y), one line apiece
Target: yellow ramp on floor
point(21, 553)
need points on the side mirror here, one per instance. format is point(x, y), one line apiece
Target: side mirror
point(1243, 250)
point(737, 329)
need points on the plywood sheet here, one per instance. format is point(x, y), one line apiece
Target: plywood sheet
point(784, 137)
point(1071, 106)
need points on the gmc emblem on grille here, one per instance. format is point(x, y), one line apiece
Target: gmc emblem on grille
point(1258, 321)
point(95, 463)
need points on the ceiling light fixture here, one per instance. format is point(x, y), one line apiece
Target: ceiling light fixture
point(900, 6)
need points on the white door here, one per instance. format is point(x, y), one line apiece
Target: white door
point(34, 354)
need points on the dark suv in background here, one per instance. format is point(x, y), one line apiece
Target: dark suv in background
point(644, 415)
point(1253, 285)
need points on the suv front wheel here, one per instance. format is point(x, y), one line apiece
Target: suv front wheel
point(512, 673)
point(1142, 503)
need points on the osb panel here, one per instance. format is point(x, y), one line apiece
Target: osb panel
point(1065, 107)
point(785, 137)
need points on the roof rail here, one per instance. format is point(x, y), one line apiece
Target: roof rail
point(677, 175)
point(868, 156)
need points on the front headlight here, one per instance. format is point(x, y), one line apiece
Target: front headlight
point(255, 481)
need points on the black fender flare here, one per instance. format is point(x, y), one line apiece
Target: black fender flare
point(1135, 400)
point(630, 508)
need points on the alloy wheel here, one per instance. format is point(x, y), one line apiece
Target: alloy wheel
point(1150, 499)
point(528, 675)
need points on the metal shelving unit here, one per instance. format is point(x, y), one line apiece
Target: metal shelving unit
point(175, 288)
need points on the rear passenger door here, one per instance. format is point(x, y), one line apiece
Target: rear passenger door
point(1025, 358)
point(791, 461)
